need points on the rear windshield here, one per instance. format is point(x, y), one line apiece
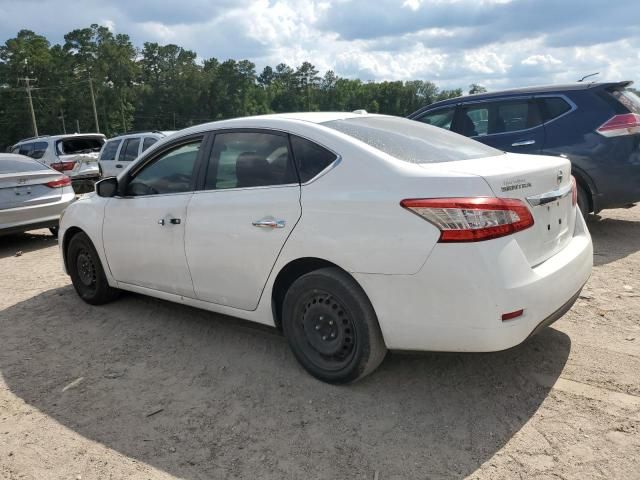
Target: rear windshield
point(628, 99)
point(76, 145)
point(19, 165)
point(412, 141)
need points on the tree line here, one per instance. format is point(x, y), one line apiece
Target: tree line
point(166, 87)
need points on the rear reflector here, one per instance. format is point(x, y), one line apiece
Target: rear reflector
point(472, 219)
point(512, 315)
point(60, 182)
point(63, 166)
point(625, 124)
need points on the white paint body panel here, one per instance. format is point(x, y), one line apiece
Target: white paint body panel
point(427, 295)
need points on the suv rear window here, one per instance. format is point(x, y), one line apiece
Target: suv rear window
point(77, 145)
point(628, 99)
point(412, 141)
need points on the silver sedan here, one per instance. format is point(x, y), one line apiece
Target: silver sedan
point(32, 195)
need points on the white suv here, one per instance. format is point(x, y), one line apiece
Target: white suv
point(74, 154)
point(119, 151)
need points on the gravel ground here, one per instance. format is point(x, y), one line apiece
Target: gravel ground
point(146, 389)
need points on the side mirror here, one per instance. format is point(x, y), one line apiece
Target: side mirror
point(107, 187)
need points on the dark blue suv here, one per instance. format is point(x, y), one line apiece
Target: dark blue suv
point(595, 125)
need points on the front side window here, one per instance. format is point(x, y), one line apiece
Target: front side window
point(171, 172)
point(442, 118)
point(129, 150)
point(248, 159)
point(411, 141)
point(310, 158)
point(110, 149)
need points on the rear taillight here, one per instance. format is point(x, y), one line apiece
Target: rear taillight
point(472, 219)
point(60, 182)
point(574, 191)
point(624, 124)
point(63, 166)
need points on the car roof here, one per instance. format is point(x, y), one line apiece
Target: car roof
point(58, 137)
point(146, 133)
point(539, 89)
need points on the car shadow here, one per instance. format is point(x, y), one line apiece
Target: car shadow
point(25, 242)
point(201, 395)
point(613, 238)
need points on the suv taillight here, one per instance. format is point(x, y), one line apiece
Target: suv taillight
point(63, 166)
point(472, 219)
point(624, 124)
point(62, 181)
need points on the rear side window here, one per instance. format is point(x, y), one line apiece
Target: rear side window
point(129, 150)
point(25, 149)
point(310, 158)
point(38, 149)
point(629, 99)
point(553, 107)
point(110, 149)
point(489, 118)
point(411, 141)
point(248, 159)
point(148, 141)
point(442, 118)
point(19, 165)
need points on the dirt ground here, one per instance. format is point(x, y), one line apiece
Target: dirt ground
point(146, 389)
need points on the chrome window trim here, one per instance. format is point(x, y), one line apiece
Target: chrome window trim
point(549, 197)
point(573, 108)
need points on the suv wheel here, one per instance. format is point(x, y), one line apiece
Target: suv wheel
point(583, 202)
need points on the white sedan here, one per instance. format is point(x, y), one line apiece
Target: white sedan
point(353, 233)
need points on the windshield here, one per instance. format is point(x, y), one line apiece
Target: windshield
point(411, 141)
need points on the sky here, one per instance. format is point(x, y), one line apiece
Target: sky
point(496, 43)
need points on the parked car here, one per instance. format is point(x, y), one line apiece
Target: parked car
point(118, 152)
point(76, 155)
point(595, 125)
point(32, 195)
point(353, 233)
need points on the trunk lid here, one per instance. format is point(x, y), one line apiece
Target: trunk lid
point(543, 183)
point(25, 189)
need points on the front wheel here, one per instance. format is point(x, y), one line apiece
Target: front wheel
point(87, 274)
point(331, 326)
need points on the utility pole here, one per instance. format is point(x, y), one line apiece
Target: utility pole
point(174, 120)
point(124, 123)
point(93, 102)
point(77, 126)
point(33, 114)
point(64, 127)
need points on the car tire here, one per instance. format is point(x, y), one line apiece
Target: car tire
point(54, 231)
point(583, 201)
point(87, 274)
point(331, 326)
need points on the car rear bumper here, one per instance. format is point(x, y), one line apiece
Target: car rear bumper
point(20, 219)
point(457, 299)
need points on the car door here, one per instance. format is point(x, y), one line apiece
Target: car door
point(108, 156)
point(144, 227)
point(240, 220)
point(512, 124)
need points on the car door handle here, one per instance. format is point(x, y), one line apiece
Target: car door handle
point(269, 223)
point(172, 221)
point(118, 166)
point(523, 143)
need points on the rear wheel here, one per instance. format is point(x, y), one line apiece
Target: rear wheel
point(331, 326)
point(87, 274)
point(583, 202)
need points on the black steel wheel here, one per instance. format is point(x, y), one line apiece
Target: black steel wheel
point(87, 274)
point(331, 326)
